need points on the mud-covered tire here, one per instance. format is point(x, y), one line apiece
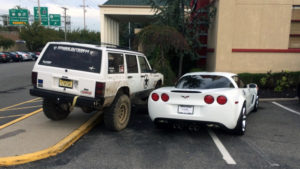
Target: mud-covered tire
point(240, 128)
point(158, 84)
point(54, 111)
point(117, 116)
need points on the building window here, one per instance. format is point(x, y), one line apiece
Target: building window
point(295, 28)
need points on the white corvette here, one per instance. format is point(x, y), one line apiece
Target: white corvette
point(206, 97)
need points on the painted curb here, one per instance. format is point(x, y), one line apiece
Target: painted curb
point(59, 147)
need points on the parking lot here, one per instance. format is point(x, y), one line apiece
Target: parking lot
point(271, 140)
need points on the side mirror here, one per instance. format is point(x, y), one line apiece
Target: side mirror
point(153, 71)
point(252, 85)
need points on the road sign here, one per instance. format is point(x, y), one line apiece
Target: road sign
point(44, 15)
point(54, 20)
point(18, 16)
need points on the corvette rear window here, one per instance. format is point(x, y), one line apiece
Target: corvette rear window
point(203, 82)
point(72, 57)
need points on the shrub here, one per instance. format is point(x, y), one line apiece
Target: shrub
point(276, 81)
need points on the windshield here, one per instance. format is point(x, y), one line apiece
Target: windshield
point(203, 82)
point(72, 57)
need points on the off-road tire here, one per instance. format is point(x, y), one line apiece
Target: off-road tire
point(240, 128)
point(117, 116)
point(54, 111)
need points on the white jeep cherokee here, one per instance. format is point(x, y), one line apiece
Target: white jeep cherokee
point(92, 77)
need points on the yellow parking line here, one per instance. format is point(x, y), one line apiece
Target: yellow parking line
point(21, 118)
point(36, 101)
point(4, 117)
point(5, 108)
point(21, 108)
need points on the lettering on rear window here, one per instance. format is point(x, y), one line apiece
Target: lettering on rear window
point(72, 57)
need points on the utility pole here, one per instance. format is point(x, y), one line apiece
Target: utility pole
point(84, 11)
point(129, 35)
point(65, 12)
point(39, 12)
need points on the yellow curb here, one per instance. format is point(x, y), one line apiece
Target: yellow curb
point(21, 118)
point(60, 147)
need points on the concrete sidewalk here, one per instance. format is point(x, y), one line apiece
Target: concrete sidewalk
point(37, 134)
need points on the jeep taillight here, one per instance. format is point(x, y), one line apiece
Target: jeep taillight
point(34, 78)
point(100, 89)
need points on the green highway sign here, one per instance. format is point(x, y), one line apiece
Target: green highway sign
point(18, 16)
point(54, 20)
point(44, 15)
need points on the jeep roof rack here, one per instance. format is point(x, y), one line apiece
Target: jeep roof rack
point(109, 45)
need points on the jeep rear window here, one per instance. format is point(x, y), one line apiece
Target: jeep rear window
point(203, 82)
point(72, 57)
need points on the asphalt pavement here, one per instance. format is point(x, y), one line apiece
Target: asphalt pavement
point(272, 141)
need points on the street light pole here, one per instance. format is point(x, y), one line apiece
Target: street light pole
point(84, 11)
point(65, 11)
point(39, 12)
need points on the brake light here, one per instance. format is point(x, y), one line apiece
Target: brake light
point(222, 100)
point(155, 96)
point(17, 56)
point(164, 97)
point(34, 78)
point(99, 89)
point(209, 99)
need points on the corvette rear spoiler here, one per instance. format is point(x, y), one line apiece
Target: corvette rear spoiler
point(185, 91)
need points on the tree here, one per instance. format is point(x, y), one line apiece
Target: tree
point(157, 41)
point(36, 36)
point(190, 22)
point(6, 43)
point(84, 36)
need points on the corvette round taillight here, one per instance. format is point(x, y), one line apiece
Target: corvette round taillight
point(164, 97)
point(222, 100)
point(155, 96)
point(209, 99)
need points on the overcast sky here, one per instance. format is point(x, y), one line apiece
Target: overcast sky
point(54, 7)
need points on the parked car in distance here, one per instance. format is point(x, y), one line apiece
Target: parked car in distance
point(24, 56)
point(204, 97)
point(37, 54)
point(4, 57)
point(34, 57)
point(15, 57)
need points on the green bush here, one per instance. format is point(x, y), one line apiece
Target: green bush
point(278, 81)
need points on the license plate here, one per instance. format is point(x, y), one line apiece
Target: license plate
point(186, 110)
point(66, 83)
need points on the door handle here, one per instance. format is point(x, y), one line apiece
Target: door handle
point(143, 76)
point(129, 77)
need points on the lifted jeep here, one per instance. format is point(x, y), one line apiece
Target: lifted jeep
point(93, 78)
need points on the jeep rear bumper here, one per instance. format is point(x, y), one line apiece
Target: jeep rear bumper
point(64, 97)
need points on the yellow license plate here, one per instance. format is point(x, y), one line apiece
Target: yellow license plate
point(65, 83)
